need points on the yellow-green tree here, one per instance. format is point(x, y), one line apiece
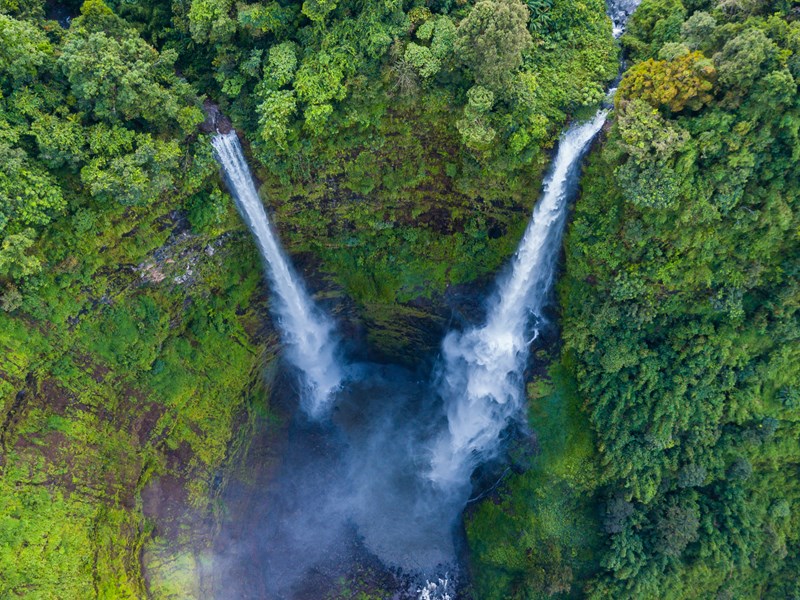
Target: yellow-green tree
point(672, 85)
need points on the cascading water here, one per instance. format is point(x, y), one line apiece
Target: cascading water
point(386, 475)
point(482, 378)
point(483, 367)
point(620, 11)
point(306, 331)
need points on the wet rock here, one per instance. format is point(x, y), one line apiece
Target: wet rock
point(215, 121)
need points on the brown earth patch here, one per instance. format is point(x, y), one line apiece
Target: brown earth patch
point(55, 397)
point(146, 421)
point(165, 500)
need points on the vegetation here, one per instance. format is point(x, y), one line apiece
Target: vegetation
point(128, 334)
point(680, 322)
point(398, 144)
point(393, 150)
point(541, 536)
point(131, 299)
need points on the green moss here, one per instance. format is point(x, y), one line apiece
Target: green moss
point(541, 535)
point(412, 234)
point(59, 544)
point(130, 377)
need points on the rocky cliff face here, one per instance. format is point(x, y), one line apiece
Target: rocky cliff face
point(122, 407)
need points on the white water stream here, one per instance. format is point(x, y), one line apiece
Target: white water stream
point(306, 331)
point(482, 378)
point(402, 500)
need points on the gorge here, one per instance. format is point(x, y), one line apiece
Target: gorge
point(415, 311)
point(408, 447)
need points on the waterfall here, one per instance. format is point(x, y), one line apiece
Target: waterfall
point(482, 375)
point(619, 11)
point(306, 331)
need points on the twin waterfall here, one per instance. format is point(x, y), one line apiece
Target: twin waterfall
point(480, 378)
point(482, 382)
point(306, 331)
point(391, 469)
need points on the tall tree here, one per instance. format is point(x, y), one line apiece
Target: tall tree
point(491, 40)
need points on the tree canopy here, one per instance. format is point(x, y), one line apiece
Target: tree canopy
point(401, 145)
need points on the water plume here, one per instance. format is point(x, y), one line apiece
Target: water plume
point(305, 330)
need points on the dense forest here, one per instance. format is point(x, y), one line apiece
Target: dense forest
point(680, 330)
point(400, 146)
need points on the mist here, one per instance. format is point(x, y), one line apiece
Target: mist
point(353, 489)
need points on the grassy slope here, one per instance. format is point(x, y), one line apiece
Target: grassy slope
point(114, 378)
point(540, 531)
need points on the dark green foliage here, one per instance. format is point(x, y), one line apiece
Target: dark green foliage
point(681, 315)
point(491, 40)
point(95, 101)
point(537, 536)
point(655, 23)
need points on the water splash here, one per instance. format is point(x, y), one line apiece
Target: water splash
point(436, 590)
point(483, 367)
point(306, 331)
point(620, 11)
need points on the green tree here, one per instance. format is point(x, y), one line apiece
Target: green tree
point(281, 65)
point(317, 10)
point(15, 260)
point(267, 18)
point(210, 21)
point(698, 29)
point(684, 82)
point(490, 42)
point(116, 76)
point(28, 194)
point(24, 49)
point(61, 140)
point(474, 128)
point(742, 59)
point(677, 526)
point(134, 178)
point(653, 24)
point(275, 113)
point(422, 59)
point(645, 134)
